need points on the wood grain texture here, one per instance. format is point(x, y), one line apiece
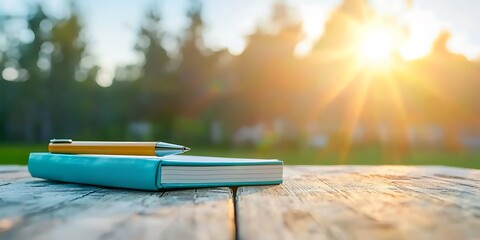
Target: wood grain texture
point(344, 202)
point(353, 202)
point(38, 209)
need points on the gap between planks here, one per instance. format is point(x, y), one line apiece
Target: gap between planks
point(199, 207)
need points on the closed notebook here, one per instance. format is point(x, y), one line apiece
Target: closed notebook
point(155, 173)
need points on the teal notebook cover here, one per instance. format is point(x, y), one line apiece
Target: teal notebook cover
point(154, 173)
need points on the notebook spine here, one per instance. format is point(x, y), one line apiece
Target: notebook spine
point(125, 172)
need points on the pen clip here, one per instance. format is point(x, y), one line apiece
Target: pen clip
point(61, 141)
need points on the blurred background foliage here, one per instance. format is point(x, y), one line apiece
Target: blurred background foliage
point(345, 101)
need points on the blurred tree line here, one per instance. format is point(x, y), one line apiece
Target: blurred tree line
point(265, 96)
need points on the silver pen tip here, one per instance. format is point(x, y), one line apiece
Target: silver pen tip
point(186, 149)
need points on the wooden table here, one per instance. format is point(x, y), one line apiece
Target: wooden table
point(338, 202)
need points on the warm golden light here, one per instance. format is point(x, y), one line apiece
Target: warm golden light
point(376, 46)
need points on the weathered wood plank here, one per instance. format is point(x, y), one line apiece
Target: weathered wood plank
point(39, 209)
point(363, 203)
point(9, 173)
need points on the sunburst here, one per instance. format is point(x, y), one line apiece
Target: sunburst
point(372, 64)
point(376, 47)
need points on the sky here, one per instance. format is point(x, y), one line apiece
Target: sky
point(111, 26)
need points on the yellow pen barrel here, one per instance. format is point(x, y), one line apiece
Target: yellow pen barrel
point(113, 148)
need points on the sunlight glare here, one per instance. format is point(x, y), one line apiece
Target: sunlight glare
point(376, 47)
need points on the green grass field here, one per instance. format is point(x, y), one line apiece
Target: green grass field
point(18, 154)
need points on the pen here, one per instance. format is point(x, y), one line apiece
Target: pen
point(115, 148)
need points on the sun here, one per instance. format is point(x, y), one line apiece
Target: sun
point(376, 47)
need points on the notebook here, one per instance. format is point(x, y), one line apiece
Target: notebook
point(155, 173)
